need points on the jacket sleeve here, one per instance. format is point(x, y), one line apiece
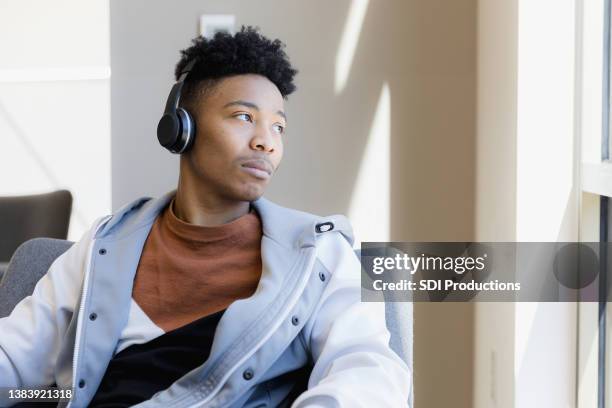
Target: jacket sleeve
point(349, 341)
point(32, 334)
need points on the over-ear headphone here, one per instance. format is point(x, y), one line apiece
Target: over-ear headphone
point(176, 128)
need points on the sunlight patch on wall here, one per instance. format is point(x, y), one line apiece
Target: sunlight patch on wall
point(348, 43)
point(369, 211)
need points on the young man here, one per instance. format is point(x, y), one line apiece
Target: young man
point(210, 296)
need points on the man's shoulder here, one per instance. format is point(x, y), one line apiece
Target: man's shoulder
point(135, 214)
point(293, 225)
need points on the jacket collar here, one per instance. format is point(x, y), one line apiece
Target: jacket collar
point(287, 227)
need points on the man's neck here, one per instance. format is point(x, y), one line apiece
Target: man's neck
point(204, 209)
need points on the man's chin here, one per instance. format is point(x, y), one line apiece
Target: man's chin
point(251, 192)
point(253, 197)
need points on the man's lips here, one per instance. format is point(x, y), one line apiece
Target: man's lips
point(259, 168)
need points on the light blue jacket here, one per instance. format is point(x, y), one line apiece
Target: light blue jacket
point(305, 312)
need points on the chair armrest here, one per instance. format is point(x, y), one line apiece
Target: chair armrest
point(29, 263)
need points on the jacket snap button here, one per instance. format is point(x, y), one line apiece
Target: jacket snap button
point(81, 383)
point(324, 227)
point(295, 320)
point(322, 276)
point(247, 374)
point(93, 316)
point(102, 251)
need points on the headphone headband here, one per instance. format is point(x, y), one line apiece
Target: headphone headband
point(186, 70)
point(175, 93)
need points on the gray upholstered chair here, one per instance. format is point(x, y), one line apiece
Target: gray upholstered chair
point(3, 266)
point(33, 258)
point(30, 216)
point(29, 263)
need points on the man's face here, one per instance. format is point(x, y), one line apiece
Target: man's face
point(238, 145)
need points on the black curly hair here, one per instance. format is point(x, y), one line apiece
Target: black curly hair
point(245, 52)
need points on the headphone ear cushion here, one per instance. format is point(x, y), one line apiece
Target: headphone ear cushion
point(188, 130)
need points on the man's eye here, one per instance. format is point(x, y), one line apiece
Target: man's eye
point(246, 117)
point(279, 128)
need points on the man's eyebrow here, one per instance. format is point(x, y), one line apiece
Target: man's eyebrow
point(251, 105)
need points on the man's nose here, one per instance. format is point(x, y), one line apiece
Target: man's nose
point(262, 140)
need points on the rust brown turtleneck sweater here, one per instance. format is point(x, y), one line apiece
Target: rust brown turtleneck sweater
point(189, 271)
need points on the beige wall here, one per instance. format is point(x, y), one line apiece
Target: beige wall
point(495, 208)
point(424, 50)
point(433, 182)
